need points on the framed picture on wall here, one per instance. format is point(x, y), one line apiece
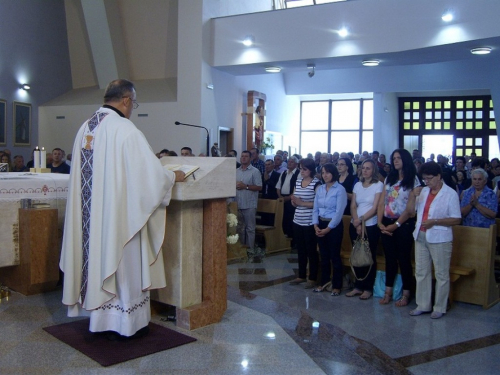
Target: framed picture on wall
point(3, 125)
point(22, 124)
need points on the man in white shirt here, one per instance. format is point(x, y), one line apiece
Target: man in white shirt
point(248, 185)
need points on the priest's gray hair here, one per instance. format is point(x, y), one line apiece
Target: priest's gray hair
point(118, 89)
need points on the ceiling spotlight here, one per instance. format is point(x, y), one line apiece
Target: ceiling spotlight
point(249, 40)
point(25, 86)
point(447, 17)
point(343, 32)
point(480, 51)
point(273, 69)
point(312, 70)
point(370, 62)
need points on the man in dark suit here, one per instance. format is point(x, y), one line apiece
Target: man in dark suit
point(270, 178)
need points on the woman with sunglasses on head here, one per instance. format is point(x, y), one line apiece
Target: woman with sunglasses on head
point(328, 209)
point(303, 229)
point(364, 205)
point(397, 224)
point(438, 209)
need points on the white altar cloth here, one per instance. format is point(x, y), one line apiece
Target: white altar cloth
point(49, 188)
point(42, 186)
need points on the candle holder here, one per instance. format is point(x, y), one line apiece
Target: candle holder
point(40, 170)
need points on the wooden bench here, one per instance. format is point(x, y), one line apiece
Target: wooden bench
point(274, 237)
point(472, 264)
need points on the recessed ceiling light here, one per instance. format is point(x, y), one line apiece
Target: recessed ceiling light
point(480, 51)
point(343, 32)
point(370, 62)
point(447, 17)
point(273, 69)
point(249, 40)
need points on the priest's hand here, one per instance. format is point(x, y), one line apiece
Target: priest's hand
point(179, 176)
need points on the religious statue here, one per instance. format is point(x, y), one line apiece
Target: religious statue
point(258, 127)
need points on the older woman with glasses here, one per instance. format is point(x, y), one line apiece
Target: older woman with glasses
point(438, 209)
point(478, 203)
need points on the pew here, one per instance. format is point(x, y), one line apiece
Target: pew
point(275, 240)
point(472, 265)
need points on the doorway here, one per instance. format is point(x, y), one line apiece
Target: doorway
point(225, 140)
point(437, 144)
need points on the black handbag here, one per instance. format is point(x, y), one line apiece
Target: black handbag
point(361, 255)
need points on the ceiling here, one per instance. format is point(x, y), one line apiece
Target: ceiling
point(442, 53)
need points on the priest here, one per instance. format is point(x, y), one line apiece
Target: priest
point(115, 220)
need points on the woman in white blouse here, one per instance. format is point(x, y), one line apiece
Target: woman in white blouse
point(438, 209)
point(364, 204)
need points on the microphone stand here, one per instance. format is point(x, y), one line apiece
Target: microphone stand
point(198, 126)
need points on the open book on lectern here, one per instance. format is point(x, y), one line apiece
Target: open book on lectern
point(187, 169)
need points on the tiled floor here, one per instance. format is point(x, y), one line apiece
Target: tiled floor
point(462, 342)
point(271, 327)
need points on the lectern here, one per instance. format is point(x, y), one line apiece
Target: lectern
point(194, 250)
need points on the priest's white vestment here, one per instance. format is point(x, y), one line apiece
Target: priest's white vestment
point(115, 225)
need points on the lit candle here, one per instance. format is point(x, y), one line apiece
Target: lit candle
point(36, 158)
point(43, 158)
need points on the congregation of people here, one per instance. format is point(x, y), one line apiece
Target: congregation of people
point(57, 161)
point(408, 202)
point(404, 200)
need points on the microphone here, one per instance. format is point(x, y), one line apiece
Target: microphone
point(198, 126)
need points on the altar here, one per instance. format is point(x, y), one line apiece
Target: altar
point(50, 188)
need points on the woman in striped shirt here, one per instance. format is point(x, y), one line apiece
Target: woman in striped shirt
point(303, 229)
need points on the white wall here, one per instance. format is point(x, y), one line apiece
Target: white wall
point(385, 123)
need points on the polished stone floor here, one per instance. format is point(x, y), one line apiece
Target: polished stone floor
point(271, 327)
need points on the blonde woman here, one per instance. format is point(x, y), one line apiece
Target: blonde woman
point(365, 199)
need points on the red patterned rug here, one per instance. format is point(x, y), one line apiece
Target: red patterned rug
point(105, 352)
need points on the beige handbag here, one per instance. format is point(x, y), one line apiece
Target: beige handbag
point(361, 256)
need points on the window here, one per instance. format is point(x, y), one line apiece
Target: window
point(336, 126)
point(461, 125)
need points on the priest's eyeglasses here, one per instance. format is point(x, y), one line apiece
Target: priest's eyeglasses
point(136, 105)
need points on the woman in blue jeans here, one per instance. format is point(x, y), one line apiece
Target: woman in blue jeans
point(329, 204)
